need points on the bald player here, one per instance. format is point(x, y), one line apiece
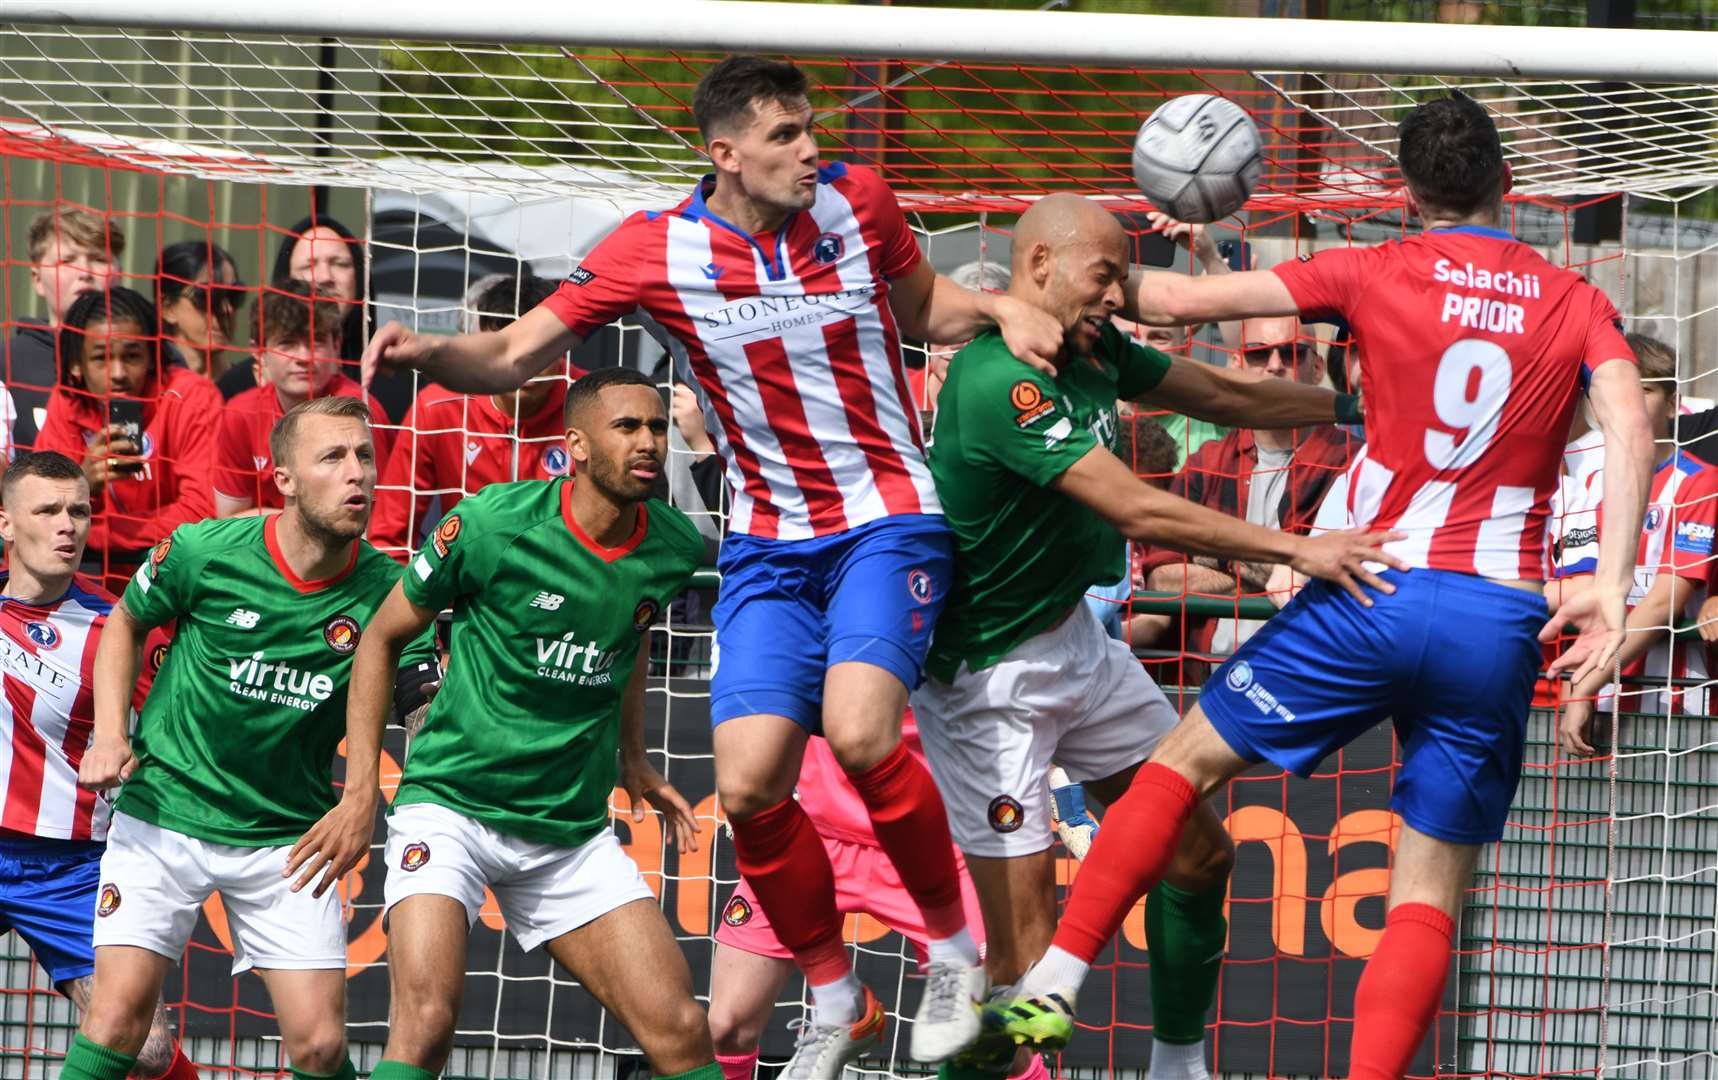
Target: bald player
point(1019, 671)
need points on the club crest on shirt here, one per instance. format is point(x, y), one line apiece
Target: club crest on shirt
point(1029, 402)
point(341, 633)
point(829, 248)
point(157, 657)
point(738, 912)
point(414, 857)
point(43, 635)
point(445, 534)
point(108, 903)
point(555, 461)
point(158, 554)
point(644, 615)
point(1006, 814)
point(919, 585)
point(1654, 519)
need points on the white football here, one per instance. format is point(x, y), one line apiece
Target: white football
point(1197, 158)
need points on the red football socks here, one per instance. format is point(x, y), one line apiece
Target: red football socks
point(738, 1066)
point(180, 1068)
point(1131, 854)
point(911, 825)
point(1399, 991)
point(780, 854)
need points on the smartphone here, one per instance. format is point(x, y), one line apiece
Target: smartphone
point(1156, 249)
point(127, 413)
point(1237, 253)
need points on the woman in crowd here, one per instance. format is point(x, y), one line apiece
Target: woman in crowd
point(198, 293)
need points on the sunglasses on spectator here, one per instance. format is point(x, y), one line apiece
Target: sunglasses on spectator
point(1259, 356)
point(221, 296)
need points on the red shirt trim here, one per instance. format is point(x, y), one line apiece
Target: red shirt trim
point(272, 542)
point(606, 554)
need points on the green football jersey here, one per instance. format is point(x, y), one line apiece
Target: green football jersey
point(237, 740)
point(1024, 554)
point(546, 626)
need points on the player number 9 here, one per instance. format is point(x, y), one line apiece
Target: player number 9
point(1475, 418)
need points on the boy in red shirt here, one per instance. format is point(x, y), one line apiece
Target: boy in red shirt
point(300, 360)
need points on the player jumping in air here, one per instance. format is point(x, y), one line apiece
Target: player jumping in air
point(1020, 672)
point(1475, 352)
point(554, 585)
point(51, 832)
point(228, 785)
point(783, 285)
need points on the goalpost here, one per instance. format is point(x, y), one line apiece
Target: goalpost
point(462, 140)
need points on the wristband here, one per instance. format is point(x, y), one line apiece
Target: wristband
point(1348, 410)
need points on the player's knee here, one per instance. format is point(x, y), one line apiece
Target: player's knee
point(745, 795)
point(321, 1050)
point(118, 1025)
point(1205, 865)
point(859, 746)
point(732, 1032)
point(422, 1031)
point(680, 1040)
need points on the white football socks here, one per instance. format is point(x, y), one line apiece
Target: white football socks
point(951, 950)
point(1178, 1061)
point(1058, 970)
point(838, 1002)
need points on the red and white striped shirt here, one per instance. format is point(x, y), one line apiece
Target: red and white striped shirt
point(791, 338)
point(1474, 349)
point(1676, 537)
point(47, 713)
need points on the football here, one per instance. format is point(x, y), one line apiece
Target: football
point(1197, 158)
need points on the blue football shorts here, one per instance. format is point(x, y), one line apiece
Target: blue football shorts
point(1450, 658)
point(791, 609)
point(47, 895)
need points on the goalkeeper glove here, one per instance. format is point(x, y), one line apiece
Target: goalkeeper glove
point(1073, 823)
point(414, 686)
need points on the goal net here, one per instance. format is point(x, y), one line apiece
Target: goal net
point(1588, 943)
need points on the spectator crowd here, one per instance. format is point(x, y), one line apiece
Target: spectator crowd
point(158, 395)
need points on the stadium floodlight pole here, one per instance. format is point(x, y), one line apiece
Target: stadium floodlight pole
point(1165, 41)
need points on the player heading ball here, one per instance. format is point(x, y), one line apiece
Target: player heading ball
point(228, 783)
point(554, 586)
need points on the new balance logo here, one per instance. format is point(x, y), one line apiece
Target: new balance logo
point(244, 620)
point(549, 601)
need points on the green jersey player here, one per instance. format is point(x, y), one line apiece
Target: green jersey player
point(1020, 673)
point(554, 585)
point(231, 763)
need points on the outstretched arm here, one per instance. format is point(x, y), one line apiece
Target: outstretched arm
point(1159, 298)
point(1143, 513)
point(493, 362)
point(930, 307)
point(1246, 399)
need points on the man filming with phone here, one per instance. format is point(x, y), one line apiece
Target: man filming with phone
point(143, 430)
